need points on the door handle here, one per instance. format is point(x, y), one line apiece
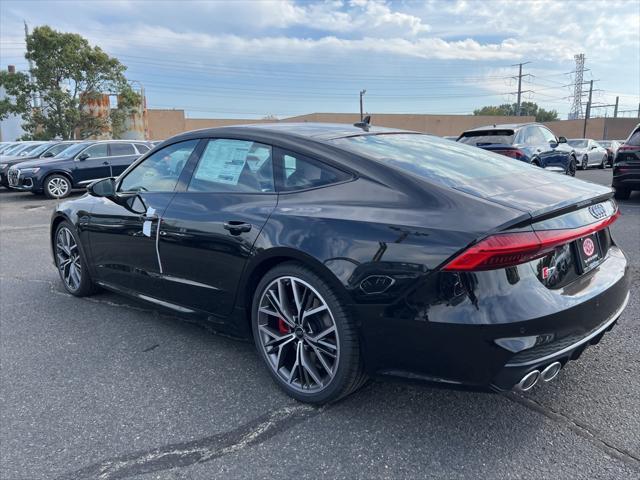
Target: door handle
point(105, 163)
point(237, 227)
point(149, 218)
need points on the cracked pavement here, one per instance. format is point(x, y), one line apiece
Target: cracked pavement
point(108, 388)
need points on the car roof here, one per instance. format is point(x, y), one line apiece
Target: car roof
point(311, 130)
point(502, 126)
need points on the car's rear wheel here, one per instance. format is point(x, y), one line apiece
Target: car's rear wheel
point(571, 169)
point(57, 186)
point(622, 193)
point(69, 258)
point(603, 163)
point(303, 334)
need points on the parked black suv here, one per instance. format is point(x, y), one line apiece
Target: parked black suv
point(75, 167)
point(45, 151)
point(626, 166)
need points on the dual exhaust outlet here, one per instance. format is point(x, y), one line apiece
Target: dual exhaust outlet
point(530, 379)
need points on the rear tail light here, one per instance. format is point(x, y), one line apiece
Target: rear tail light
point(629, 148)
point(508, 249)
point(513, 153)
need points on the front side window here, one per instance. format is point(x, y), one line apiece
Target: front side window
point(547, 135)
point(234, 166)
point(122, 149)
point(301, 172)
point(96, 151)
point(159, 172)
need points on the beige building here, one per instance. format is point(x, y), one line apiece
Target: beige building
point(166, 123)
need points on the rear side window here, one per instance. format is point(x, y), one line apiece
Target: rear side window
point(234, 166)
point(301, 172)
point(531, 136)
point(634, 138)
point(122, 149)
point(435, 159)
point(487, 137)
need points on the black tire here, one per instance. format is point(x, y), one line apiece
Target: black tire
point(349, 372)
point(571, 168)
point(585, 162)
point(85, 285)
point(603, 163)
point(57, 186)
point(622, 193)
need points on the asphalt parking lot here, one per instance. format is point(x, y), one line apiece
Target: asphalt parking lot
point(105, 388)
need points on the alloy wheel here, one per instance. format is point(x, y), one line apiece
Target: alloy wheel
point(585, 162)
point(58, 187)
point(68, 259)
point(298, 334)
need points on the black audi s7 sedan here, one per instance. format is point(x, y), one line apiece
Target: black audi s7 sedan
point(350, 251)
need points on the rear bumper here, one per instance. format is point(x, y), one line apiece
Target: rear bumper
point(627, 180)
point(516, 369)
point(458, 343)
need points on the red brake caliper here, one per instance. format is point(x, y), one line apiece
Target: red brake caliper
point(283, 328)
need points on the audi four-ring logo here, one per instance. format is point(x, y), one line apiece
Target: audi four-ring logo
point(598, 211)
point(588, 247)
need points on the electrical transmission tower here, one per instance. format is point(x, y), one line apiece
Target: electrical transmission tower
point(576, 105)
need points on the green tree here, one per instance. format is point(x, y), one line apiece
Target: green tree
point(526, 108)
point(67, 72)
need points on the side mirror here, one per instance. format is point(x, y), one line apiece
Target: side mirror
point(593, 147)
point(47, 155)
point(562, 139)
point(83, 156)
point(103, 188)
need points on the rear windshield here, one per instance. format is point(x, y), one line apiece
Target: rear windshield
point(435, 159)
point(634, 139)
point(577, 143)
point(487, 137)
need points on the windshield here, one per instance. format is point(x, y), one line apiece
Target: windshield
point(487, 137)
point(29, 149)
point(435, 159)
point(58, 148)
point(74, 149)
point(577, 143)
point(40, 149)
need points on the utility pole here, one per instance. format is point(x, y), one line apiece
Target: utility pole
point(519, 77)
point(615, 109)
point(639, 110)
point(588, 110)
point(362, 92)
point(34, 99)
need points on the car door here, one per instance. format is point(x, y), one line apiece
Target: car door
point(123, 232)
point(554, 155)
point(596, 152)
point(91, 164)
point(209, 230)
point(121, 155)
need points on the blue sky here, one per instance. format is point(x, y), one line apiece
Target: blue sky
point(257, 58)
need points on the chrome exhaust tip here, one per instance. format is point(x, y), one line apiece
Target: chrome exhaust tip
point(551, 371)
point(528, 381)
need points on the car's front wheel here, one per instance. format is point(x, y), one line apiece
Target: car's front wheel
point(571, 168)
point(302, 332)
point(69, 258)
point(57, 186)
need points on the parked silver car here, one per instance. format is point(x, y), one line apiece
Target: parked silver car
point(589, 153)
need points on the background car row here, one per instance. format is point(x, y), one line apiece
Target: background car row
point(56, 168)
